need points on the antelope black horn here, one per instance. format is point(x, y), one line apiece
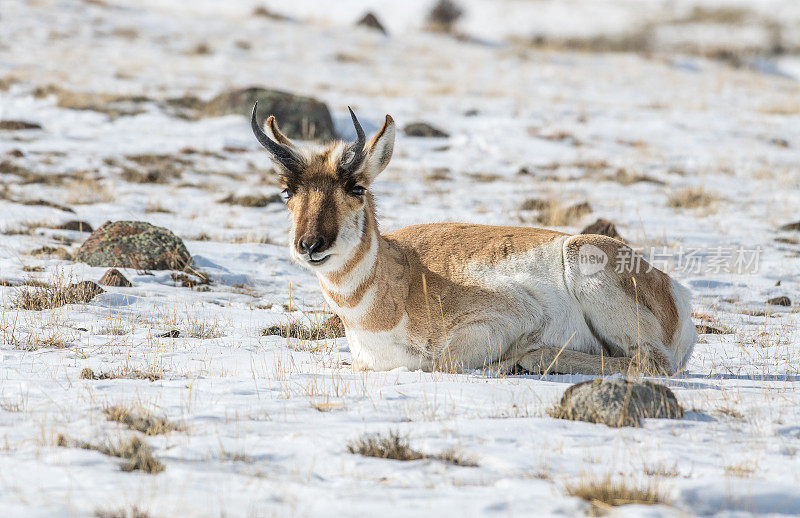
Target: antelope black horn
point(358, 146)
point(281, 153)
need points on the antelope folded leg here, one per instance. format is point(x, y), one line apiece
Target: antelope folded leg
point(553, 360)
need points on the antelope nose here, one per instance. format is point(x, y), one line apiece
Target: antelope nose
point(311, 245)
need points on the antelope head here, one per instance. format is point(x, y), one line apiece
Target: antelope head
point(327, 191)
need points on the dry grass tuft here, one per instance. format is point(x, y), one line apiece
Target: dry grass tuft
point(152, 168)
point(87, 191)
point(260, 200)
point(691, 198)
point(156, 207)
point(133, 512)
point(89, 374)
point(268, 13)
point(235, 456)
point(325, 329)
point(606, 492)
point(204, 329)
point(394, 446)
point(135, 452)
point(661, 470)
point(626, 177)
point(201, 49)
point(740, 470)
point(55, 295)
point(729, 412)
point(553, 214)
point(190, 282)
point(110, 104)
point(456, 458)
point(60, 252)
point(141, 420)
point(391, 446)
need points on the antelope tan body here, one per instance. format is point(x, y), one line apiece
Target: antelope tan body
point(456, 296)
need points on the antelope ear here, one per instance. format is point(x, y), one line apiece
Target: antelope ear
point(379, 150)
point(276, 133)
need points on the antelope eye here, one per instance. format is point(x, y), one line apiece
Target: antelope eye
point(287, 193)
point(357, 190)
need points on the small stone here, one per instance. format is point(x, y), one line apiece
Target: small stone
point(602, 227)
point(617, 402)
point(114, 277)
point(779, 301)
point(80, 226)
point(424, 130)
point(371, 21)
point(444, 15)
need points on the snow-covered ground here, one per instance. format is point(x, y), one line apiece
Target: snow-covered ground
point(267, 420)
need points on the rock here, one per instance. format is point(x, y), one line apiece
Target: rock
point(617, 402)
point(299, 117)
point(267, 13)
point(134, 244)
point(371, 21)
point(779, 301)
point(83, 291)
point(602, 227)
point(444, 15)
point(705, 329)
point(114, 277)
point(11, 125)
point(423, 129)
point(80, 226)
point(791, 226)
point(172, 333)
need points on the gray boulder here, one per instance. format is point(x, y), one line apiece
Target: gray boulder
point(299, 117)
point(617, 402)
point(134, 244)
point(424, 130)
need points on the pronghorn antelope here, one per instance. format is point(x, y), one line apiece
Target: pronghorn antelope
point(460, 296)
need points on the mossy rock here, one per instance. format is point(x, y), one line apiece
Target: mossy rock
point(298, 117)
point(134, 244)
point(617, 402)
